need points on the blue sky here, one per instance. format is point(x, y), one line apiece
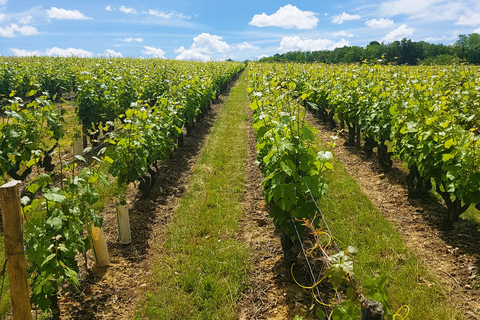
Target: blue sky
point(218, 30)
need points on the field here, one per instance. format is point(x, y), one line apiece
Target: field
point(242, 186)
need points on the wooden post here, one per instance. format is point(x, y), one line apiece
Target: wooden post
point(14, 250)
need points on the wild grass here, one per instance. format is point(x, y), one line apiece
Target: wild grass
point(203, 267)
point(355, 221)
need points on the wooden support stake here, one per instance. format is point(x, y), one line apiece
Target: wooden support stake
point(14, 250)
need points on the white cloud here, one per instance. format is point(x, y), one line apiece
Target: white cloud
point(203, 45)
point(127, 10)
point(2, 17)
point(429, 10)
point(164, 15)
point(345, 17)
point(112, 54)
point(109, 8)
point(379, 23)
point(70, 52)
point(398, 34)
point(246, 46)
point(3, 2)
point(155, 52)
point(13, 30)
point(476, 31)
point(191, 55)
point(343, 34)
point(25, 20)
point(58, 13)
point(132, 39)
point(297, 44)
point(208, 43)
point(287, 17)
point(24, 53)
point(472, 20)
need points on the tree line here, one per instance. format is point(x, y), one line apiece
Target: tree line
point(405, 52)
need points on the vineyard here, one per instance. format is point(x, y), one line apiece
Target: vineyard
point(131, 117)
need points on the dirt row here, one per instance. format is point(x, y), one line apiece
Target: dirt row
point(451, 256)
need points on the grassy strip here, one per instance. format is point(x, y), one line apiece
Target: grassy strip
point(355, 221)
point(204, 266)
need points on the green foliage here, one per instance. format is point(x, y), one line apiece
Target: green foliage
point(429, 115)
point(57, 229)
point(28, 135)
point(286, 152)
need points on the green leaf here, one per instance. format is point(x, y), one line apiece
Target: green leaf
point(47, 259)
point(55, 197)
point(392, 110)
point(449, 143)
point(320, 314)
point(447, 156)
point(336, 275)
point(324, 156)
point(308, 133)
point(108, 159)
point(286, 168)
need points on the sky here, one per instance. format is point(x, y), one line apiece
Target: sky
point(220, 30)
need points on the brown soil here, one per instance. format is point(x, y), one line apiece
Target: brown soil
point(114, 292)
point(270, 293)
point(451, 256)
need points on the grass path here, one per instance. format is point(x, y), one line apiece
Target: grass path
point(203, 266)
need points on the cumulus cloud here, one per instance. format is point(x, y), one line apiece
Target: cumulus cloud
point(203, 45)
point(287, 17)
point(58, 13)
point(109, 8)
point(131, 39)
point(345, 17)
point(472, 20)
point(379, 23)
point(69, 52)
point(343, 34)
point(191, 55)
point(3, 2)
point(12, 30)
point(164, 15)
point(399, 33)
point(298, 44)
point(2, 17)
point(155, 52)
point(246, 46)
point(24, 53)
point(112, 54)
point(208, 43)
point(127, 10)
